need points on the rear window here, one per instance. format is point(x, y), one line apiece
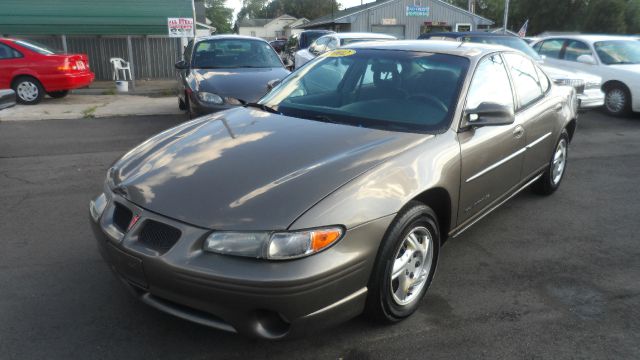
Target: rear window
point(37, 47)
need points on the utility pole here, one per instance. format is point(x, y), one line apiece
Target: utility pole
point(471, 6)
point(506, 14)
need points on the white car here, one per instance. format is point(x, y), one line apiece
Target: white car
point(334, 41)
point(616, 59)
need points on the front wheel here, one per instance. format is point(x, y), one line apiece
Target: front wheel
point(405, 265)
point(551, 178)
point(617, 101)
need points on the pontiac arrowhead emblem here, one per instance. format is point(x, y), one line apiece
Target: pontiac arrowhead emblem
point(134, 220)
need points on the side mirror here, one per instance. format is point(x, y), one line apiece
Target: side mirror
point(586, 59)
point(489, 114)
point(182, 65)
point(273, 83)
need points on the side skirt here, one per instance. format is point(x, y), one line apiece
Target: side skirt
point(456, 232)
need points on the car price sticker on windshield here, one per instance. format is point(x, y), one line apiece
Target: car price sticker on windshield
point(180, 27)
point(341, 53)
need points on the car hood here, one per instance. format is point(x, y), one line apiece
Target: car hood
point(245, 169)
point(632, 68)
point(245, 84)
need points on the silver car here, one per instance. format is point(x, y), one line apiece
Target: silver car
point(333, 194)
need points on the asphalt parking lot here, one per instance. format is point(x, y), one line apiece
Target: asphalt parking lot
point(555, 277)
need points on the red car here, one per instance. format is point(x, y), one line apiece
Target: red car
point(32, 70)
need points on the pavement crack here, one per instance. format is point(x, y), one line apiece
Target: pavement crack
point(24, 181)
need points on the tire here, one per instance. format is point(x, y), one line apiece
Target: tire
point(181, 104)
point(28, 90)
point(553, 175)
point(617, 101)
point(58, 94)
point(385, 302)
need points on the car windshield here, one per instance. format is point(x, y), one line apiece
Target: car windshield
point(616, 52)
point(234, 53)
point(344, 42)
point(508, 41)
point(37, 47)
point(383, 89)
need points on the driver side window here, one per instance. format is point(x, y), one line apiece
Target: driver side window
point(490, 84)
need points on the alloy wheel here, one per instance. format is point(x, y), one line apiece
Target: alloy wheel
point(411, 266)
point(615, 100)
point(559, 161)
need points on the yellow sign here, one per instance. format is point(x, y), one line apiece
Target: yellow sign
point(341, 53)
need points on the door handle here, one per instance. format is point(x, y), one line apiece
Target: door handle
point(557, 107)
point(518, 132)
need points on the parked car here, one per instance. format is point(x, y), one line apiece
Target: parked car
point(225, 71)
point(7, 98)
point(299, 42)
point(616, 59)
point(32, 69)
point(587, 85)
point(278, 45)
point(332, 194)
point(333, 41)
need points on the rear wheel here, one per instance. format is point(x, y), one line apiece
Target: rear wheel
point(29, 91)
point(181, 104)
point(405, 265)
point(58, 94)
point(551, 178)
point(617, 101)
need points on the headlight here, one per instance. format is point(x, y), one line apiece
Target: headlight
point(97, 206)
point(210, 98)
point(274, 246)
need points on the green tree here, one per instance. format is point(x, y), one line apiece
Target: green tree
point(606, 16)
point(220, 16)
point(309, 9)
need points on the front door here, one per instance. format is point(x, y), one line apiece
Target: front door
point(492, 155)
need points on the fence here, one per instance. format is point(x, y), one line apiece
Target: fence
point(153, 56)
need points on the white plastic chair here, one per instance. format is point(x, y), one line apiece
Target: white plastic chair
point(118, 65)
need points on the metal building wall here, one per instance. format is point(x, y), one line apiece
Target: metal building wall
point(397, 10)
point(153, 56)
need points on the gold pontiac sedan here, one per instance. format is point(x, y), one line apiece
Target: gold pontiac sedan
point(333, 194)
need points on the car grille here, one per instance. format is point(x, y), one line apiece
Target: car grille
point(158, 236)
point(122, 217)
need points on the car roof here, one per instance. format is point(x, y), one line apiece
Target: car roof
point(229, 36)
point(465, 49)
point(456, 34)
point(361, 35)
point(588, 37)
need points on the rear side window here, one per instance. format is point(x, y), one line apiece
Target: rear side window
point(525, 79)
point(575, 49)
point(7, 52)
point(490, 84)
point(551, 48)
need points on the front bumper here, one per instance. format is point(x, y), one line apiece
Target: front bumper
point(258, 298)
point(591, 98)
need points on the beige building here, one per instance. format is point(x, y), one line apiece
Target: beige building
point(268, 29)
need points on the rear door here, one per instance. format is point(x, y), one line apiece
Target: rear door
point(491, 155)
point(536, 111)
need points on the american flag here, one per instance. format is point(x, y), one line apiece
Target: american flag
point(523, 30)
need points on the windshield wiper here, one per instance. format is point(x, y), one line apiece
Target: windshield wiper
point(263, 108)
